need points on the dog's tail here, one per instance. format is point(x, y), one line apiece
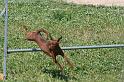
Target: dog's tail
point(25, 29)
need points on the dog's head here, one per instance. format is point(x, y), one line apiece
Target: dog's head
point(53, 43)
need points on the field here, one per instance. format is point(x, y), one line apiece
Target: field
point(99, 2)
point(78, 25)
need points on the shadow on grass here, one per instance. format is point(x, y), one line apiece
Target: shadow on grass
point(57, 74)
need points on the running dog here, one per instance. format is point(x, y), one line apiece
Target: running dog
point(49, 47)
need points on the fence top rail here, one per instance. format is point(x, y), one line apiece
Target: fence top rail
point(68, 48)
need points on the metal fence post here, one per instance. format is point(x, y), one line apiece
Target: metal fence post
point(5, 38)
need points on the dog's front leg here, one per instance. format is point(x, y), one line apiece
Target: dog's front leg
point(68, 62)
point(57, 63)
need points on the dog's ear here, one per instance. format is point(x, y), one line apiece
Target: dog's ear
point(59, 39)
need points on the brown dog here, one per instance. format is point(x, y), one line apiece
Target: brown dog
point(50, 47)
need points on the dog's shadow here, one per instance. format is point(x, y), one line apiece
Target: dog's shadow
point(57, 74)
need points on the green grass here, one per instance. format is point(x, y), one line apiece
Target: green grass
point(79, 25)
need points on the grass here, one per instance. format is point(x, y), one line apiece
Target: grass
point(79, 25)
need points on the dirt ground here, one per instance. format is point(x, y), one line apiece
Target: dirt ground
point(99, 2)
